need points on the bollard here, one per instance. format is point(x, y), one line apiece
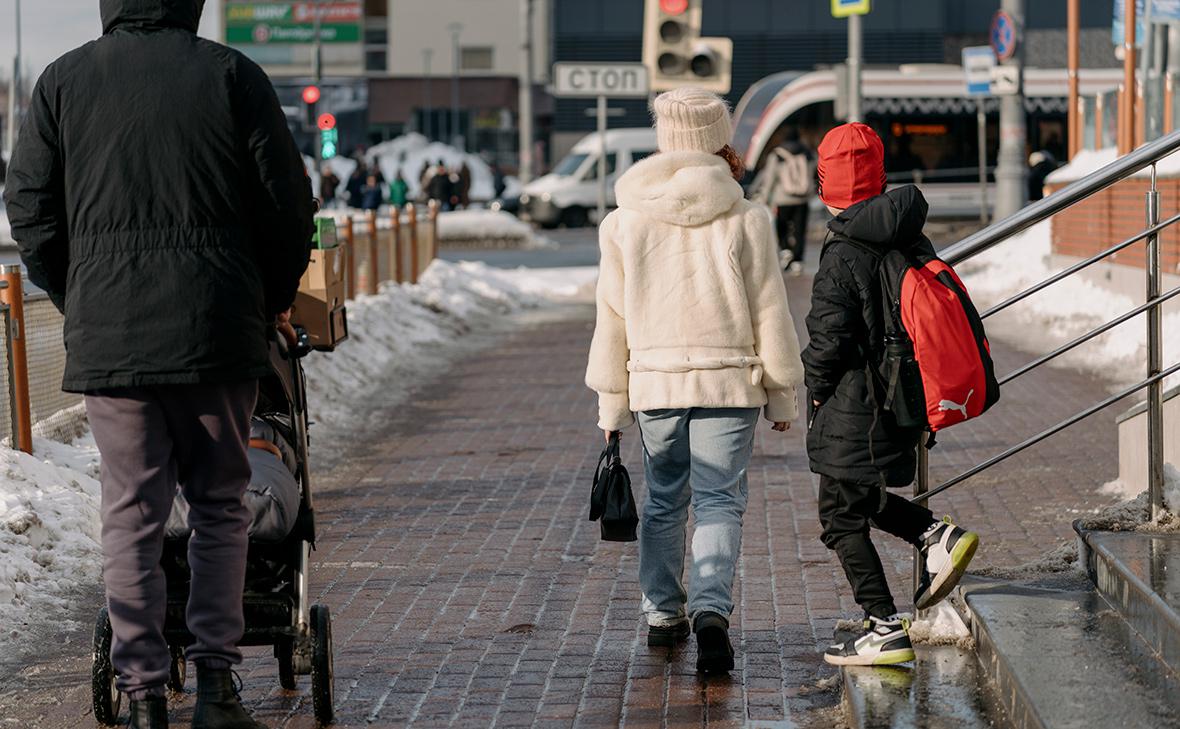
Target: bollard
point(434, 242)
point(374, 273)
point(413, 242)
point(395, 220)
point(349, 267)
point(12, 295)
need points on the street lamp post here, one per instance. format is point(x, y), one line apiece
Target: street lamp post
point(428, 113)
point(456, 29)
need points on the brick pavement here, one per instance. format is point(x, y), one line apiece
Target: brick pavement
point(468, 589)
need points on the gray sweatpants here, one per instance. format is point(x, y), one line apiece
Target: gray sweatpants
point(151, 439)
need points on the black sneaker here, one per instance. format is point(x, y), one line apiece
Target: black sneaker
point(884, 643)
point(149, 713)
point(714, 651)
point(946, 552)
point(666, 636)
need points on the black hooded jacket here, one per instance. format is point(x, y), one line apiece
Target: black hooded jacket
point(850, 437)
point(158, 197)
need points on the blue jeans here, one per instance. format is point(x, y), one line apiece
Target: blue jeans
point(699, 454)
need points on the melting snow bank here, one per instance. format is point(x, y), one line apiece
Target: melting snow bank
point(401, 337)
point(941, 625)
point(1064, 311)
point(49, 531)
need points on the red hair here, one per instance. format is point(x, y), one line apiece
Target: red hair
point(737, 167)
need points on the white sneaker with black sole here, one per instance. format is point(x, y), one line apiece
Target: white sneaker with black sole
point(946, 552)
point(886, 642)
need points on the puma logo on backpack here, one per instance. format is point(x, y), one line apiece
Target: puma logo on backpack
point(937, 355)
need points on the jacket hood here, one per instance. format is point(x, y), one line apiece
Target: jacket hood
point(148, 14)
point(893, 219)
point(680, 188)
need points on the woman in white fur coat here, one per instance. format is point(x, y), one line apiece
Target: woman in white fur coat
point(694, 334)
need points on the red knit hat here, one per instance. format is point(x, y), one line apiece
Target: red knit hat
point(851, 165)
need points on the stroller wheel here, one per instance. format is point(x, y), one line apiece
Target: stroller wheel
point(285, 652)
point(107, 699)
point(322, 672)
point(178, 670)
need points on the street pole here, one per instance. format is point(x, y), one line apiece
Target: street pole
point(601, 158)
point(855, 44)
point(1127, 127)
point(14, 91)
point(456, 29)
point(525, 123)
point(428, 114)
point(1073, 31)
point(318, 72)
point(981, 132)
point(1011, 167)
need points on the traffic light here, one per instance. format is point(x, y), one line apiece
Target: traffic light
point(311, 97)
point(676, 54)
point(329, 135)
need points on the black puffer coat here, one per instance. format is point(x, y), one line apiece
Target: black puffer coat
point(158, 197)
point(850, 437)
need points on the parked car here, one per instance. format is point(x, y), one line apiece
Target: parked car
point(568, 194)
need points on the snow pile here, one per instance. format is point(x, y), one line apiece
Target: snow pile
point(405, 334)
point(49, 529)
point(1134, 514)
point(1064, 311)
point(1063, 558)
point(941, 625)
point(487, 227)
point(410, 153)
point(1089, 161)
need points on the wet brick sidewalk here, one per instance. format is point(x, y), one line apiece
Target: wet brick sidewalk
point(468, 589)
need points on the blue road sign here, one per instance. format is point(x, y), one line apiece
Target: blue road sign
point(1003, 35)
point(978, 62)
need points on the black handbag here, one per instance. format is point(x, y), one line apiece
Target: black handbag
point(612, 504)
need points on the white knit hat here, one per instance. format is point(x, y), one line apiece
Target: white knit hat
point(691, 120)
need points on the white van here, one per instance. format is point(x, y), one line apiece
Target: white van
point(569, 193)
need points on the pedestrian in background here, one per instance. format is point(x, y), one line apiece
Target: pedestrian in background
point(356, 185)
point(786, 185)
point(853, 441)
point(171, 259)
point(440, 187)
point(697, 350)
point(463, 188)
point(371, 197)
point(329, 182)
point(398, 191)
point(1041, 164)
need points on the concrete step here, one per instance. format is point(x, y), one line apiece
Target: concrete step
point(1062, 658)
point(1139, 575)
point(943, 689)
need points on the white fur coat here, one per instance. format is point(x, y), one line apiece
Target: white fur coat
point(692, 310)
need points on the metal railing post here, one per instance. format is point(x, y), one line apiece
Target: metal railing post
point(12, 296)
point(412, 211)
point(921, 486)
point(1155, 403)
point(395, 246)
point(432, 253)
point(374, 280)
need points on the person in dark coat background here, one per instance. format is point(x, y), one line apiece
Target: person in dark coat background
point(157, 196)
point(853, 442)
point(371, 194)
point(1040, 165)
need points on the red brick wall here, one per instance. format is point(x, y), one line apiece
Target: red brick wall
point(1114, 215)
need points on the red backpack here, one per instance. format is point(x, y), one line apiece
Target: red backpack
point(938, 368)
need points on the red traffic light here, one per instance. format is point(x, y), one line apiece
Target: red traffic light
point(673, 7)
point(326, 122)
point(311, 94)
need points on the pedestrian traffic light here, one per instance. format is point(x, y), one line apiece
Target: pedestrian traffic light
point(676, 54)
point(311, 97)
point(328, 135)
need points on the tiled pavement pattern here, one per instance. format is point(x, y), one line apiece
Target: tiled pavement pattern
point(468, 589)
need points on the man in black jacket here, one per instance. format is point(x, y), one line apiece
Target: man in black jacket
point(852, 441)
point(158, 197)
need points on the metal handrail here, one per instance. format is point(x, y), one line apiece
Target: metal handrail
point(1121, 169)
point(1049, 206)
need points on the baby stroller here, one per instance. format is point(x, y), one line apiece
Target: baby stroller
point(276, 600)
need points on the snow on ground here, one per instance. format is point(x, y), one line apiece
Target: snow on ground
point(402, 336)
point(49, 529)
point(1089, 161)
point(488, 226)
point(941, 625)
point(1064, 311)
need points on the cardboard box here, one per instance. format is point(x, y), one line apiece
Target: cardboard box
point(323, 314)
point(325, 271)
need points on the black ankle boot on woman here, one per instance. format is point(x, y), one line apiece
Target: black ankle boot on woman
point(151, 712)
point(218, 703)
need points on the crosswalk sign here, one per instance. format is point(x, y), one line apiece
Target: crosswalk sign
point(844, 8)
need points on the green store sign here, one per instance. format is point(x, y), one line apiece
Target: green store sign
point(292, 23)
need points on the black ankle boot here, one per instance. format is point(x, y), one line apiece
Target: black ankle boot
point(714, 651)
point(218, 704)
point(149, 713)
